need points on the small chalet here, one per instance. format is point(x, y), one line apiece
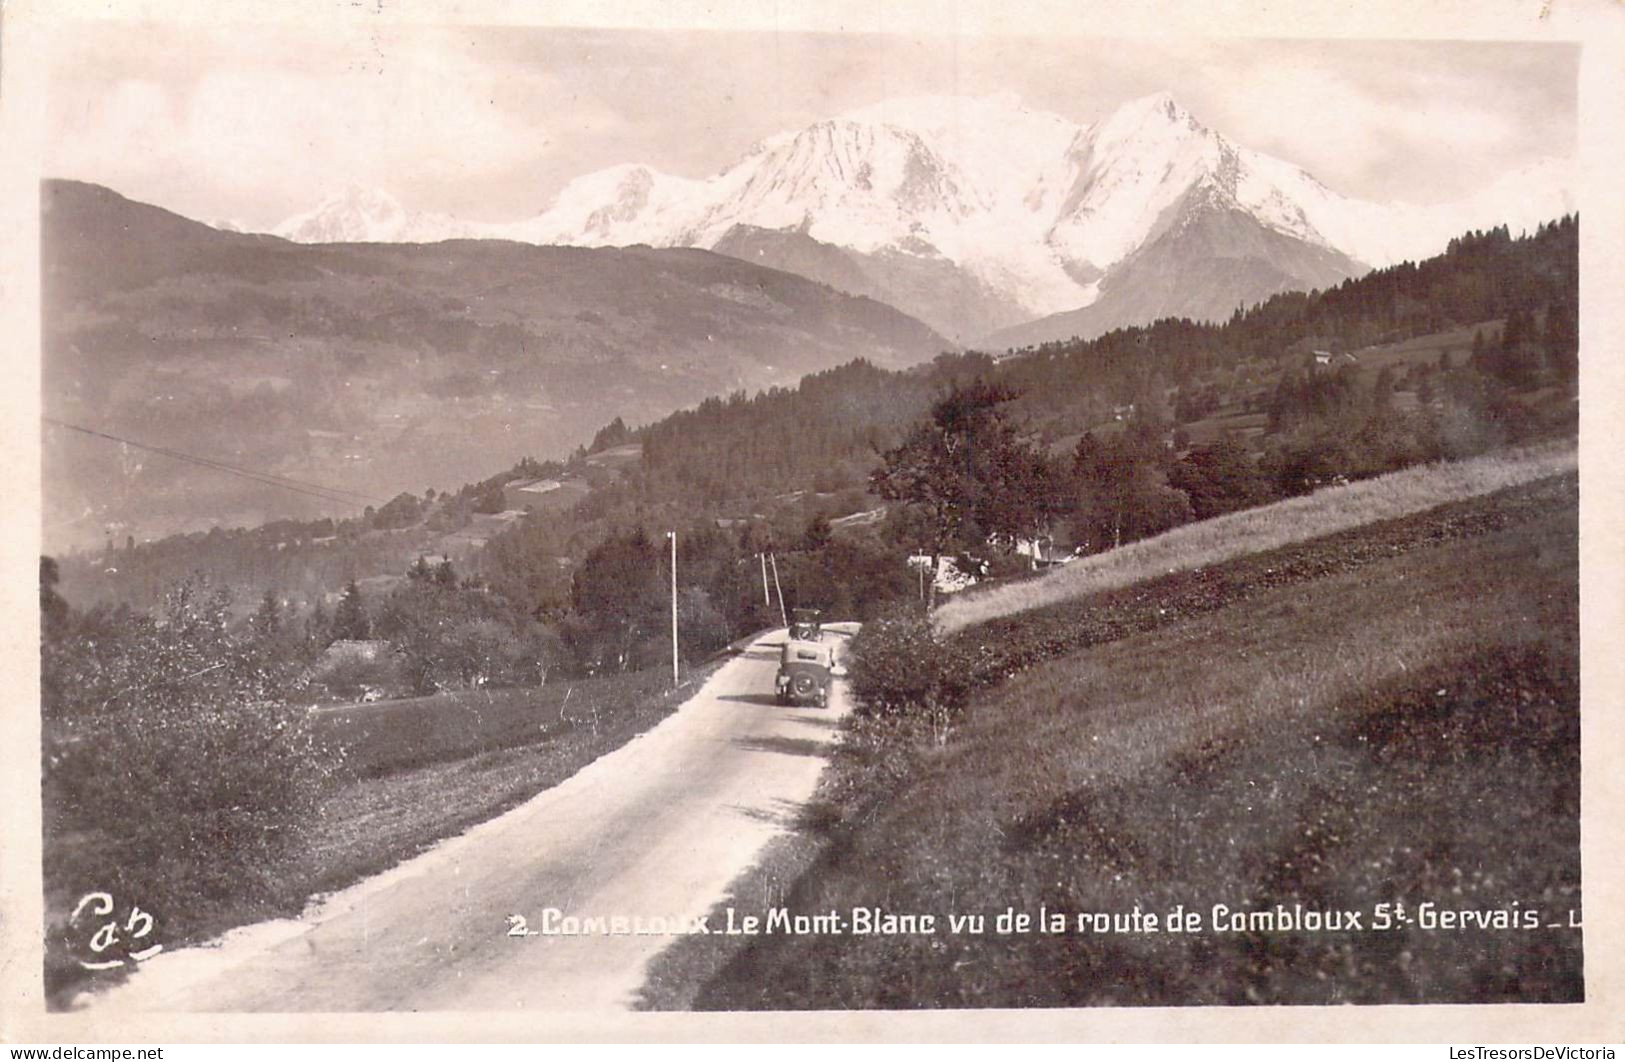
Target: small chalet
point(1045, 552)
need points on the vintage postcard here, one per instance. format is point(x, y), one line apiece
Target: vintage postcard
point(637, 522)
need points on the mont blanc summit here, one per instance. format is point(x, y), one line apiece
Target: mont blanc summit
point(993, 221)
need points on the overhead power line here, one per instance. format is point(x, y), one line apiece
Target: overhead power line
point(269, 479)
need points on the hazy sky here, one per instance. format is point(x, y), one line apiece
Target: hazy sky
point(488, 123)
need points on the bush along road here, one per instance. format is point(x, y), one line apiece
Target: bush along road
point(558, 904)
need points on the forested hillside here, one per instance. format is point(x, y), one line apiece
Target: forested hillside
point(1120, 437)
point(826, 434)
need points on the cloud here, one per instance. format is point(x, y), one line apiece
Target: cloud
point(263, 130)
point(1395, 120)
point(489, 122)
point(1348, 131)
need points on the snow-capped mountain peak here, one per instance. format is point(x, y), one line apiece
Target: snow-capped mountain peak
point(1126, 171)
point(855, 184)
point(1000, 143)
point(358, 214)
point(1159, 109)
point(625, 204)
point(946, 201)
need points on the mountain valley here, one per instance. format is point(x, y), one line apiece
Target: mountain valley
point(373, 368)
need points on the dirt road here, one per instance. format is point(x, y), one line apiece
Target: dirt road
point(649, 834)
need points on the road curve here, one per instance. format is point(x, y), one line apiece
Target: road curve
point(654, 830)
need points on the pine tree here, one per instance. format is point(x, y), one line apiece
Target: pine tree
point(53, 607)
point(816, 535)
point(1382, 389)
point(1516, 361)
point(350, 620)
point(1562, 340)
point(268, 620)
point(318, 627)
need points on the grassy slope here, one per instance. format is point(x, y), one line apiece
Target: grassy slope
point(1399, 728)
point(1253, 530)
point(392, 736)
point(379, 820)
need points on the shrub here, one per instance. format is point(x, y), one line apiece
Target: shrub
point(899, 667)
point(175, 779)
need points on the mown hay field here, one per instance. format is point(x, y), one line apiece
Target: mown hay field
point(1210, 542)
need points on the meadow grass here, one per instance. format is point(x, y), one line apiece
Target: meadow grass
point(1209, 542)
point(407, 792)
point(1403, 732)
point(390, 736)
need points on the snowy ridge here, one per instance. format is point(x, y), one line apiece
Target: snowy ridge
point(618, 206)
point(1382, 234)
point(354, 214)
point(1024, 204)
point(1129, 170)
point(851, 184)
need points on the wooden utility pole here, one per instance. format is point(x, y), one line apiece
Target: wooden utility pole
point(673, 536)
point(783, 616)
point(767, 596)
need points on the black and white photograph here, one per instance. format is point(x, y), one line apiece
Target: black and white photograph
point(671, 520)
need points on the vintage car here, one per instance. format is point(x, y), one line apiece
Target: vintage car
point(805, 667)
point(806, 626)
